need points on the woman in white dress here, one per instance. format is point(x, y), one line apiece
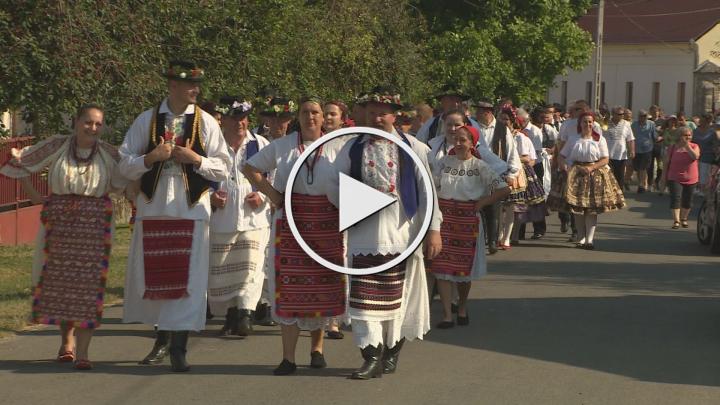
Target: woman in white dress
point(76, 232)
point(591, 187)
point(466, 184)
point(306, 295)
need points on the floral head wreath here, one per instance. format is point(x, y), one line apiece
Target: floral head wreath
point(232, 106)
point(383, 97)
point(277, 106)
point(184, 70)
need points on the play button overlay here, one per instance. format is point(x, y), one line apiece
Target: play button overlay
point(358, 201)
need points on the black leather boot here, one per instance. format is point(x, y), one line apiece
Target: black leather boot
point(390, 361)
point(178, 349)
point(231, 318)
point(159, 350)
point(243, 325)
point(373, 365)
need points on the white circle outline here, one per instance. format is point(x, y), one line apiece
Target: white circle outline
point(429, 191)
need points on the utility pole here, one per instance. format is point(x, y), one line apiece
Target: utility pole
point(598, 55)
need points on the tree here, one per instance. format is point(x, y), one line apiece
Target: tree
point(59, 54)
point(512, 48)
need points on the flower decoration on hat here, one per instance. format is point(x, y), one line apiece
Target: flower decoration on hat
point(184, 70)
point(278, 106)
point(382, 96)
point(233, 106)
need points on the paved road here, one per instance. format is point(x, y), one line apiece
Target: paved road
point(637, 321)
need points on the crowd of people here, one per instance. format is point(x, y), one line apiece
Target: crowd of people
point(211, 236)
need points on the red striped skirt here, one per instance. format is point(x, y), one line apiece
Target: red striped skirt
point(303, 287)
point(167, 245)
point(380, 291)
point(459, 232)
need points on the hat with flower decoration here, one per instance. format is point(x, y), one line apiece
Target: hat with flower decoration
point(234, 106)
point(184, 70)
point(279, 107)
point(382, 95)
point(452, 90)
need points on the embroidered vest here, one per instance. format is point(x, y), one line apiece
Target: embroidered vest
point(407, 185)
point(195, 184)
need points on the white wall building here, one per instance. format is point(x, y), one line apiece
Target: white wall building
point(662, 52)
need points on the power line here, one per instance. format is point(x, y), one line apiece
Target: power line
point(636, 24)
point(662, 14)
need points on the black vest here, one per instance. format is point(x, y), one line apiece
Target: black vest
point(195, 184)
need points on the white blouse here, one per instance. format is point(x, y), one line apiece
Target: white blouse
point(280, 156)
point(439, 149)
point(585, 150)
point(170, 198)
point(467, 180)
point(237, 216)
point(66, 176)
point(525, 146)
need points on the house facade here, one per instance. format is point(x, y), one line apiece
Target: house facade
point(660, 52)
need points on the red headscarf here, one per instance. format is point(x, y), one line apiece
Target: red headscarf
point(595, 135)
point(476, 138)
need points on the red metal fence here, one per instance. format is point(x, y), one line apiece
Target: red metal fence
point(19, 219)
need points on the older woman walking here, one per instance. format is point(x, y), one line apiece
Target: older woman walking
point(76, 232)
point(681, 176)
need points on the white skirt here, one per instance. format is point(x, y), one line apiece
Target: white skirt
point(411, 322)
point(241, 289)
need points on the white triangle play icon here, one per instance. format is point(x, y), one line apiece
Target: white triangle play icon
point(358, 201)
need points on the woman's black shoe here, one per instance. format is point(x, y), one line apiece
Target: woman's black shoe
point(335, 335)
point(589, 246)
point(317, 360)
point(445, 325)
point(463, 320)
point(285, 368)
point(580, 245)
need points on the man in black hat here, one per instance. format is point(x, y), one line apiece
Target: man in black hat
point(175, 150)
point(498, 138)
point(239, 226)
point(451, 98)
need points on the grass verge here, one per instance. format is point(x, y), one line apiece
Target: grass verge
point(16, 288)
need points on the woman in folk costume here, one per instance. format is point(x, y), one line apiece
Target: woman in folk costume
point(73, 246)
point(533, 210)
point(591, 187)
point(278, 113)
point(388, 307)
point(306, 294)
point(466, 185)
point(518, 196)
point(239, 226)
point(175, 150)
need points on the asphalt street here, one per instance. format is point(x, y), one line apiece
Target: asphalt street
point(636, 321)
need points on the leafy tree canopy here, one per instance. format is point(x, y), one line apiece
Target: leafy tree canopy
point(59, 54)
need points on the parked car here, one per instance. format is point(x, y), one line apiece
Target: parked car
point(708, 223)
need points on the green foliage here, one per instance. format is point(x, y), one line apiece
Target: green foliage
point(58, 54)
point(512, 48)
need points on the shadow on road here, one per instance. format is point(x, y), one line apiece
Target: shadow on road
point(657, 339)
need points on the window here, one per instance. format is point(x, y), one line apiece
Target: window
point(681, 97)
point(629, 95)
point(602, 92)
point(588, 92)
point(564, 91)
point(655, 96)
